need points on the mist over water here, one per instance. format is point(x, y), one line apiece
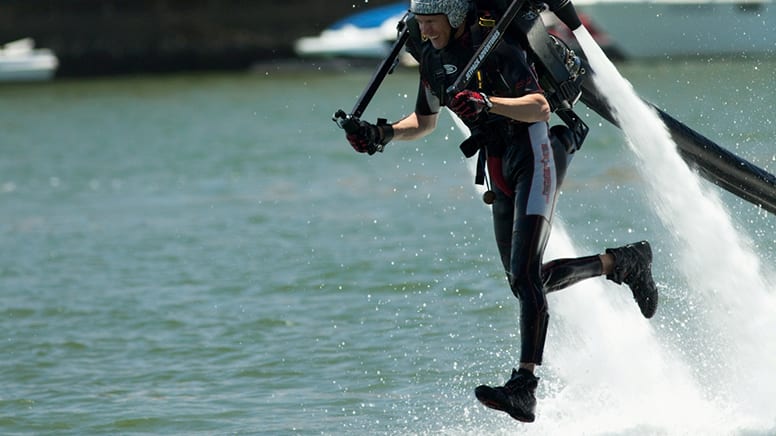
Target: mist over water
point(730, 373)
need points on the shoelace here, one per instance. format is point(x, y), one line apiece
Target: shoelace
point(519, 382)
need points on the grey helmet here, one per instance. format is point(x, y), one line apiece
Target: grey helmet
point(455, 10)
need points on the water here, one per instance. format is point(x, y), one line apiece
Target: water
point(204, 254)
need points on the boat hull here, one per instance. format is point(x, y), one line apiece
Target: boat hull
point(35, 67)
point(20, 61)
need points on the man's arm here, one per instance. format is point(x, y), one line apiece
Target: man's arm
point(529, 108)
point(414, 126)
point(370, 138)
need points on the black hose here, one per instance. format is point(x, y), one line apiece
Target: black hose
point(714, 163)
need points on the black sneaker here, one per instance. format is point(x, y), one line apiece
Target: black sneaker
point(516, 397)
point(633, 266)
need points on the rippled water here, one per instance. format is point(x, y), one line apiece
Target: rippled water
point(204, 254)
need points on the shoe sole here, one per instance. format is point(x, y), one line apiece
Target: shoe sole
point(645, 250)
point(482, 397)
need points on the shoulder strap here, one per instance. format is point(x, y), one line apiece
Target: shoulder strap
point(414, 41)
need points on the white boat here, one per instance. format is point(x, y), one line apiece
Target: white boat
point(368, 34)
point(371, 33)
point(21, 61)
point(629, 29)
point(686, 28)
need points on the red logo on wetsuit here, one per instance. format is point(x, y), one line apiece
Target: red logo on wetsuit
point(546, 172)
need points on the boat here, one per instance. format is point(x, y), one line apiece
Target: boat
point(371, 33)
point(20, 61)
point(367, 34)
point(625, 29)
point(686, 28)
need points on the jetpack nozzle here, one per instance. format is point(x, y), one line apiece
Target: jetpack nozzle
point(566, 12)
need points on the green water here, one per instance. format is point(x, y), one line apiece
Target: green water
point(205, 254)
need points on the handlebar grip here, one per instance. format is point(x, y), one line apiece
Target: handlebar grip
point(346, 122)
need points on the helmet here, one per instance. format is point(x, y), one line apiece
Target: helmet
point(455, 10)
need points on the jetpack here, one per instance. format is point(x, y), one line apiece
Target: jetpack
point(566, 79)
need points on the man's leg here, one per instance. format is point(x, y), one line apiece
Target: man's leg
point(561, 273)
point(521, 235)
point(521, 245)
point(630, 264)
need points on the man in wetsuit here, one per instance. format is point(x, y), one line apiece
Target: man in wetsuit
point(508, 114)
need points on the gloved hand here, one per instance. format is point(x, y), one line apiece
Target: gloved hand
point(469, 104)
point(370, 138)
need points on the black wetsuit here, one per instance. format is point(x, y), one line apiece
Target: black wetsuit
point(526, 169)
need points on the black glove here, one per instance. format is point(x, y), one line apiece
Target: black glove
point(370, 138)
point(469, 104)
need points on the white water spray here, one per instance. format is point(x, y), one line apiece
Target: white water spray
point(608, 367)
point(607, 370)
point(719, 263)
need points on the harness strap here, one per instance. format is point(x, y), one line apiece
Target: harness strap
point(497, 176)
point(487, 155)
